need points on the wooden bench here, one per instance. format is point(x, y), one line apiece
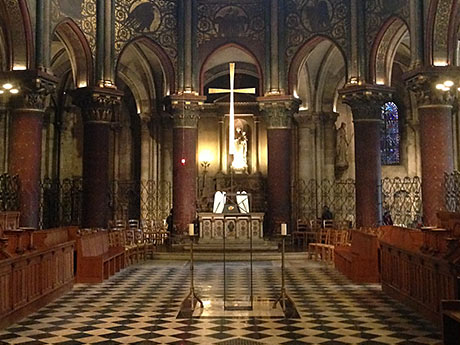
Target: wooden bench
point(451, 322)
point(359, 262)
point(96, 260)
point(35, 278)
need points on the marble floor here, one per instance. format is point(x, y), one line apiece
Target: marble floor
point(144, 304)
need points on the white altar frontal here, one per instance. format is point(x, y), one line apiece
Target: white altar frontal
point(238, 226)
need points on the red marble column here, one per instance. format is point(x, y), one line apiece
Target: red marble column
point(279, 177)
point(278, 111)
point(184, 177)
point(25, 152)
point(96, 185)
point(366, 103)
point(98, 108)
point(368, 172)
point(25, 148)
point(436, 155)
point(186, 113)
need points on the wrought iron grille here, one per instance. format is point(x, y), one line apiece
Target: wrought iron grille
point(60, 202)
point(147, 200)
point(310, 197)
point(403, 198)
point(452, 191)
point(9, 192)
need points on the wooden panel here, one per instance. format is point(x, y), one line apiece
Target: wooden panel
point(417, 279)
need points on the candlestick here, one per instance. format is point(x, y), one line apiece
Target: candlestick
point(284, 229)
point(191, 230)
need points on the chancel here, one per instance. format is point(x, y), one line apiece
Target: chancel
point(159, 154)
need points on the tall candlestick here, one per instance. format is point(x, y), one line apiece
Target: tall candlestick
point(191, 229)
point(284, 229)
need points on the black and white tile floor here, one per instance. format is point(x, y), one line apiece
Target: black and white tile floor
point(142, 305)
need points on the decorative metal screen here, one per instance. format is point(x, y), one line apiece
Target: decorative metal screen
point(452, 191)
point(145, 200)
point(9, 192)
point(312, 195)
point(403, 198)
point(60, 202)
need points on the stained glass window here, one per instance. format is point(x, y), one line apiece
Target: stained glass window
point(390, 137)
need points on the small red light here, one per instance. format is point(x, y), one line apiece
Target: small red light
point(182, 161)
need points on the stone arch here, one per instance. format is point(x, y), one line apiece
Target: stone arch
point(442, 17)
point(17, 28)
point(78, 50)
point(317, 83)
point(153, 58)
point(221, 56)
point(388, 40)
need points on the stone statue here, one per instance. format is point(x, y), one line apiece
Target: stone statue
point(240, 160)
point(341, 153)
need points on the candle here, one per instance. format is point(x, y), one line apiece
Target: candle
point(191, 229)
point(284, 229)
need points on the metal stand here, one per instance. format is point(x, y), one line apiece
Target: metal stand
point(192, 295)
point(283, 294)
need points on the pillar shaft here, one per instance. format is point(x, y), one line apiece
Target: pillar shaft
point(368, 173)
point(278, 112)
point(25, 161)
point(96, 139)
point(366, 105)
point(436, 154)
point(98, 108)
point(186, 113)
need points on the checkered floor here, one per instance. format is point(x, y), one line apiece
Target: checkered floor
point(142, 305)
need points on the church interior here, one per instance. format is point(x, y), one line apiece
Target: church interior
point(230, 172)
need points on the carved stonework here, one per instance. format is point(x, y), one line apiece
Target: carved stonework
point(378, 12)
point(278, 111)
point(366, 101)
point(423, 84)
point(306, 119)
point(186, 110)
point(97, 104)
point(34, 88)
point(155, 19)
point(307, 18)
point(235, 19)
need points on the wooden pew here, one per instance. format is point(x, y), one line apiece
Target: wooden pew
point(96, 260)
point(359, 262)
point(451, 322)
point(33, 279)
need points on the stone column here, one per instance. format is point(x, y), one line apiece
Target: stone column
point(25, 149)
point(366, 105)
point(186, 113)
point(306, 145)
point(278, 112)
point(98, 108)
point(436, 144)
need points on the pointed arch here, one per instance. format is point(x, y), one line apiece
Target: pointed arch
point(442, 16)
point(384, 50)
point(79, 52)
point(16, 27)
point(220, 53)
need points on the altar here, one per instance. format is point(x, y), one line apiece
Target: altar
point(237, 226)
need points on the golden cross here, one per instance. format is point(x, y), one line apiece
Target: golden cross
point(231, 129)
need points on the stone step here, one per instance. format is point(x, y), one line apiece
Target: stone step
point(233, 256)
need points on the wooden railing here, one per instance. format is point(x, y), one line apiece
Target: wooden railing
point(419, 280)
point(29, 281)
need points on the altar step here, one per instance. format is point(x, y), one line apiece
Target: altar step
point(233, 247)
point(232, 256)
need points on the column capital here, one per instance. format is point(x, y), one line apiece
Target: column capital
point(306, 119)
point(366, 101)
point(328, 117)
point(278, 110)
point(97, 104)
point(186, 109)
point(33, 88)
point(428, 84)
